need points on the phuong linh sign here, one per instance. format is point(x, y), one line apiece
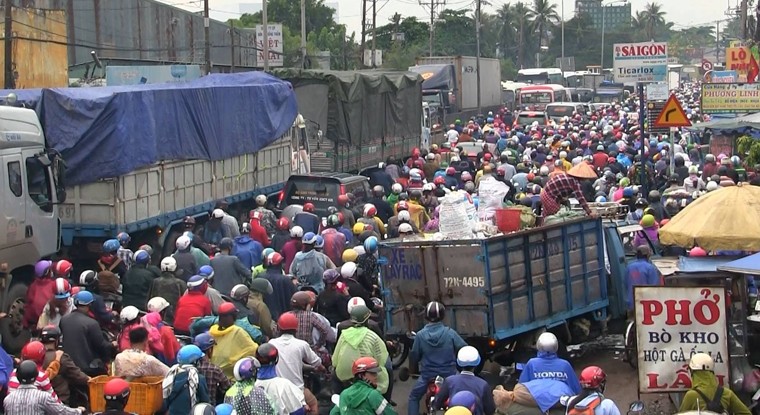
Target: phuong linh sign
point(640, 62)
point(672, 323)
point(730, 98)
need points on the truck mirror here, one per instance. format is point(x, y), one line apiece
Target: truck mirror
point(60, 194)
point(319, 134)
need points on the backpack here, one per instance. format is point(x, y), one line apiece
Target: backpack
point(588, 410)
point(714, 404)
point(108, 280)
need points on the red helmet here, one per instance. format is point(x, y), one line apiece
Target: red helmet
point(487, 157)
point(531, 177)
point(439, 181)
point(283, 223)
point(267, 354)
point(450, 171)
point(287, 321)
point(34, 351)
point(308, 207)
point(415, 152)
point(116, 389)
point(402, 205)
point(227, 308)
point(62, 268)
point(275, 258)
point(365, 364)
point(62, 289)
point(370, 210)
point(342, 200)
point(592, 377)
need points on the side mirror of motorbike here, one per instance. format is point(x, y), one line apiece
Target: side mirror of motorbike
point(636, 406)
point(403, 374)
point(411, 335)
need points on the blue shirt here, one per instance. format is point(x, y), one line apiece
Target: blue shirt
point(435, 347)
point(639, 272)
point(549, 366)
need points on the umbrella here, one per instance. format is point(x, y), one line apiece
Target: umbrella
point(724, 219)
point(582, 171)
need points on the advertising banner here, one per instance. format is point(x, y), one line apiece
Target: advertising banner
point(274, 38)
point(640, 62)
point(151, 74)
point(672, 324)
point(740, 59)
point(730, 98)
point(721, 77)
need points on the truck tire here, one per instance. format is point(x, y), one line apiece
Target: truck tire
point(14, 337)
point(400, 352)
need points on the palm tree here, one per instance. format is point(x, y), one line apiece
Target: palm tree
point(521, 12)
point(508, 27)
point(654, 17)
point(543, 14)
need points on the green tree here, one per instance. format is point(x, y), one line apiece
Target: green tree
point(653, 19)
point(454, 33)
point(543, 15)
point(523, 27)
point(413, 31)
point(508, 22)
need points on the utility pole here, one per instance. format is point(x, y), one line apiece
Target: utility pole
point(265, 34)
point(562, 60)
point(303, 34)
point(520, 46)
point(432, 4)
point(374, 31)
point(206, 34)
point(232, 47)
point(717, 43)
point(743, 19)
point(364, 32)
point(477, 51)
point(10, 82)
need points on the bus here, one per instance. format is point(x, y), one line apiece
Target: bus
point(540, 76)
point(575, 79)
point(510, 93)
point(535, 97)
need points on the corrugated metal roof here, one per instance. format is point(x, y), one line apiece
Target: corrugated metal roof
point(146, 30)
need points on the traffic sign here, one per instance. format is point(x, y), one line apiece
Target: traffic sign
point(707, 65)
point(654, 108)
point(672, 115)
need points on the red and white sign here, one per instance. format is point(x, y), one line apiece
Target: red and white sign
point(707, 65)
point(672, 324)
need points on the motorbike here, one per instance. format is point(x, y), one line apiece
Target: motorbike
point(434, 385)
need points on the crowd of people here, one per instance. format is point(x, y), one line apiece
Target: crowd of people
point(271, 315)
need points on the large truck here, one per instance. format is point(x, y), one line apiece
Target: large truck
point(450, 85)
point(500, 293)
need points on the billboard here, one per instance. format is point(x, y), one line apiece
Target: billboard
point(721, 77)
point(640, 62)
point(741, 60)
point(730, 98)
point(151, 74)
point(274, 38)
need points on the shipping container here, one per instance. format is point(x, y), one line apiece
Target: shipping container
point(466, 83)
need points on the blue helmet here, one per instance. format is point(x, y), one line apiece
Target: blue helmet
point(83, 298)
point(224, 409)
point(141, 257)
point(466, 399)
point(110, 246)
point(320, 242)
point(189, 354)
point(204, 341)
point(195, 282)
point(309, 238)
point(206, 272)
point(123, 238)
point(370, 245)
point(265, 253)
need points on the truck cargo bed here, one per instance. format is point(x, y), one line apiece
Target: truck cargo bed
point(498, 287)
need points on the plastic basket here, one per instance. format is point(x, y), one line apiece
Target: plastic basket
point(146, 396)
point(508, 219)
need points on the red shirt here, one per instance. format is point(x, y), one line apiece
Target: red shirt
point(600, 159)
point(258, 233)
point(40, 291)
point(192, 304)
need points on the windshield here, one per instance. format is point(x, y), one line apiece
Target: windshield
point(432, 98)
point(560, 110)
point(322, 193)
point(527, 119)
point(538, 79)
point(574, 80)
point(535, 97)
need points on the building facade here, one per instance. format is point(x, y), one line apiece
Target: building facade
point(617, 16)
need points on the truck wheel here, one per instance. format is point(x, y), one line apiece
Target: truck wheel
point(11, 327)
point(399, 353)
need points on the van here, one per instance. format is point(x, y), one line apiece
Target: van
point(558, 110)
point(322, 190)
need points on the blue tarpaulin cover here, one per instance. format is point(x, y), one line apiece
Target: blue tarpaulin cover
point(110, 131)
point(703, 264)
point(747, 265)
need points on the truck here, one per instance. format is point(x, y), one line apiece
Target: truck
point(450, 85)
point(501, 292)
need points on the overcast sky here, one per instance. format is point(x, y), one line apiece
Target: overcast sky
point(684, 13)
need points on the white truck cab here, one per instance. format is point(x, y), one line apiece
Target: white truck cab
point(31, 181)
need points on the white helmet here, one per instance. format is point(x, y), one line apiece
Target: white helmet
point(404, 216)
point(397, 188)
point(428, 187)
point(296, 232)
point(129, 313)
point(183, 243)
point(157, 304)
point(355, 302)
point(261, 200)
point(169, 264)
point(701, 361)
point(348, 269)
point(468, 356)
point(547, 342)
point(217, 213)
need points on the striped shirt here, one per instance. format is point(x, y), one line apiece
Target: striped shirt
point(42, 383)
point(28, 400)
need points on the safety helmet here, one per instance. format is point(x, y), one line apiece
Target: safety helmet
point(308, 207)
point(370, 245)
point(110, 246)
point(275, 258)
point(287, 321)
point(364, 365)
point(428, 187)
point(203, 408)
point(641, 203)
point(354, 302)
point(169, 264)
point(296, 232)
point(378, 191)
point(370, 210)
point(129, 313)
point(267, 354)
point(348, 269)
point(402, 205)
point(245, 369)
point(450, 171)
point(468, 356)
point(457, 410)
point(405, 228)
point(183, 243)
point(34, 351)
point(404, 216)
point(261, 200)
point(300, 300)
point(360, 314)
point(226, 309)
point(309, 238)
point(697, 252)
point(343, 200)
point(204, 341)
point(27, 372)
point(701, 361)
point(547, 342)
point(465, 399)
point(83, 298)
point(349, 255)
point(42, 268)
point(206, 272)
point(62, 268)
point(50, 334)
point(123, 238)
point(320, 242)
point(333, 220)
point(434, 311)
point(62, 288)
point(157, 304)
point(116, 389)
point(592, 377)
point(330, 276)
point(224, 409)
point(654, 196)
point(195, 282)
point(189, 354)
point(188, 221)
point(141, 257)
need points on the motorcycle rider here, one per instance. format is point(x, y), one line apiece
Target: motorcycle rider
point(232, 341)
point(292, 247)
point(60, 305)
point(168, 287)
point(281, 234)
point(435, 348)
point(124, 253)
point(29, 399)
point(69, 375)
point(362, 396)
point(245, 398)
point(308, 321)
point(116, 393)
point(228, 269)
point(287, 397)
point(468, 360)
point(268, 218)
point(184, 385)
point(344, 207)
point(334, 240)
point(217, 382)
point(213, 295)
point(547, 365)
point(88, 280)
point(257, 230)
point(185, 260)
point(83, 339)
point(591, 399)
point(283, 288)
point(192, 304)
point(39, 293)
point(705, 389)
point(331, 302)
point(309, 265)
point(307, 219)
point(136, 283)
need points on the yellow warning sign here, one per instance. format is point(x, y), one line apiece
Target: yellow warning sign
point(672, 115)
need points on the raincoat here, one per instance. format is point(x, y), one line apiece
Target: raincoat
point(232, 344)
point(707, 383)
point(549, 366)
point(204, 324)
point(362, 399)
point(356, 342)
point(435, 348)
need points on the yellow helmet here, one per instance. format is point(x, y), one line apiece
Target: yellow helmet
point(358, 228)
point(350, 255)
point(458, 410)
